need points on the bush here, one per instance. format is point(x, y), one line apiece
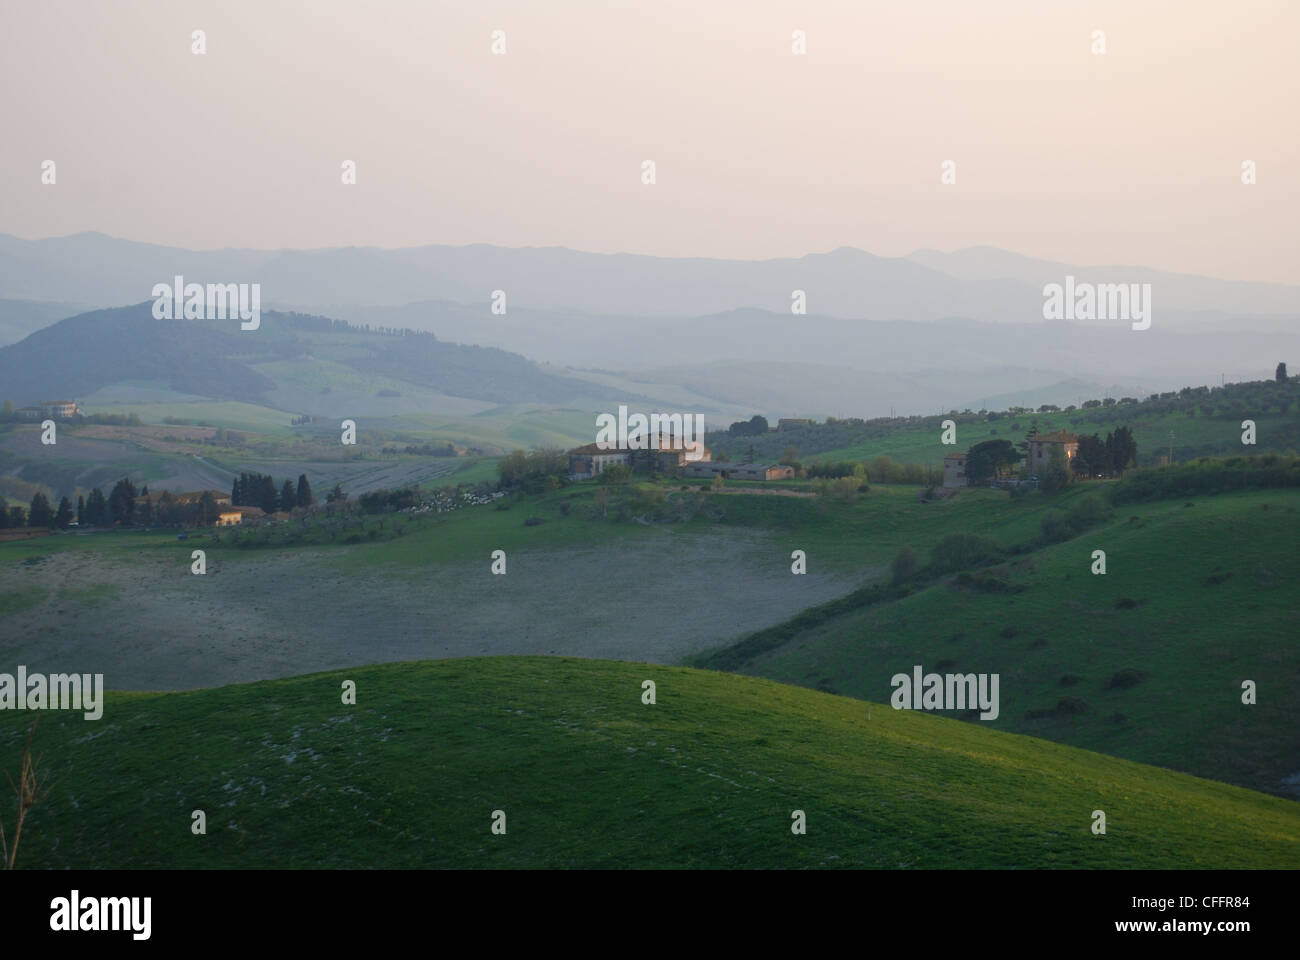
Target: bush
point(958, 551)
point(1124, 679)
point(616, 473)
point(904, 565)
point(1207, 476)
point(1054, 527)
point(1086, 513)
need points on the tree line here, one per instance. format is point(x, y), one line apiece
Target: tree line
point(121, 509)
point(259, 490)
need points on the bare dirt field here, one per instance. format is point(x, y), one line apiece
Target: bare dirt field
point(147, 623)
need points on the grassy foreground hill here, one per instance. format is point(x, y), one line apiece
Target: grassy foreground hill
point(590, 776)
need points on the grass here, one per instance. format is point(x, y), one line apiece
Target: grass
point(1193, 436)
point(589, 776)
point(232, 414)
point(1198, 596)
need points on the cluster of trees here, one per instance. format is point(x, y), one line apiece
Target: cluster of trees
point(879, 470)
point(1207, 475)
point(534, 471)
point(382, 501)
point(753, 427)
point(7, 412)
point(1105, 458)
point(843, 489)
point(990, 458)
point(259, 490)
point(38, 514)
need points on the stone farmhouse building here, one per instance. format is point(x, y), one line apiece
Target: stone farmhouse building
point(662, 456)
point(51, 409)
point(1040, 455)
point(954, 470)
point(1040, 449)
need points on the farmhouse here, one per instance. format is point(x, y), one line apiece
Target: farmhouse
point(954, 470)
point(1042, 444)
point(60, 409)
point(662, 455)
point(791, 423)
point(590, 461)
point(739, 471)
point(53, 409)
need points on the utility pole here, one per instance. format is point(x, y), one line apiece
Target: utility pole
point(1171, 448)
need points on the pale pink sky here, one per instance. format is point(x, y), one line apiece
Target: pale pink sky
point(1131, 157)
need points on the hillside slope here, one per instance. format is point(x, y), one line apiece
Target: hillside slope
point(215, 358)
point(1146, 661)
point(589, 776)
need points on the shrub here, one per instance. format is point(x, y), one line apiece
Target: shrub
point(960, 550)
point(1124, 679)
point(616, 473)
point(1208, 476)
point(904, 565)
point(1054, 527)
point(1085, 513)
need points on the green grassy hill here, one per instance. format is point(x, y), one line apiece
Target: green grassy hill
point(1146, 661)
point(589, 776)
point(1204, 422)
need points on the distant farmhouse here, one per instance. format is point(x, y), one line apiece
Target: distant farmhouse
point(791, 423)
point(1040, 448)
point(662, 456)
point(1040, 455)
point(954, 470)
point(52, 410)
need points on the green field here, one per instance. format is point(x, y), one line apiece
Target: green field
point(589, 776)
point(1194, 436)
point(233, 414)
point(1146, 661)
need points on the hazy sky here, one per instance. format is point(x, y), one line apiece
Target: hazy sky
point(1133, 156)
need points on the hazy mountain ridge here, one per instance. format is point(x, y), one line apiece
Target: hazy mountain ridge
point(980, 283)
point(79, 355)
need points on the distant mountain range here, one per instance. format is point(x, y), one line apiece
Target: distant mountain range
point(981, 283)
point(914, 334)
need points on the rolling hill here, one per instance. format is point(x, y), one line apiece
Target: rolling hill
point(1145, 662)
point(587, 775)
point(80, 355)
